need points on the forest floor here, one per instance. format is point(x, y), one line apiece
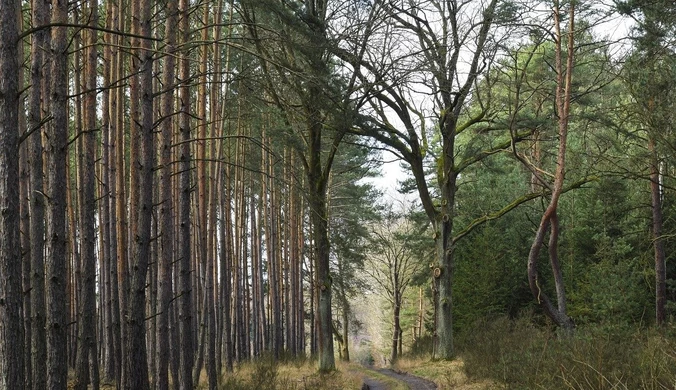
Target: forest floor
point(411, 382)
point(446, 375)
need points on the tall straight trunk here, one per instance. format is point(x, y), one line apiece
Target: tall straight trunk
point(24, 217)
point(294, 259)
point(444, 347)
point(75, 196)
point(134, 134)
point(151, 293)
point(300, 314)
point(246, 290)
point(242, 260)
point(121, 208)
point(256, 296)
point(343, 340)
point(184, 255)
point(225, 231)
point(11, 326)
point(396, 326)
point(210, 289)
point(273, 249)
point(174, 337)
point(73, 268)
point(108, 126)
point(136, 370)
point(24, 230)
point(165, 287)
point(105, 336)
point(238, 282)
point(38, 93)
point(105, 195)
point(324, 281)
point(225, 259)
point(346, 333)
point(317, 180)
point(285, 258)
point(57, 151)
point(215, 133)
point(658, 240)
point(86, 353)
point(237, 241)
point(312, 281)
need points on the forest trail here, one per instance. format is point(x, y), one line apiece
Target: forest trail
point(413, 382)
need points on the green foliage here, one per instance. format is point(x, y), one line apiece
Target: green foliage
point(523, 356)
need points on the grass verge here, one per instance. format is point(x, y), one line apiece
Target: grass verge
point(446, 374)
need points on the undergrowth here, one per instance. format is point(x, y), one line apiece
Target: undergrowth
point(267, 373)
point(521, 355)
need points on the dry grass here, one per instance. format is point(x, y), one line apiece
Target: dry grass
point(362, 372)
point(446, 374)
point(267, 374)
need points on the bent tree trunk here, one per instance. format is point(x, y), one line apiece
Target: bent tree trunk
point(549, 219)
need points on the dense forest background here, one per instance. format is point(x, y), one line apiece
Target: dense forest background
point(189, 185)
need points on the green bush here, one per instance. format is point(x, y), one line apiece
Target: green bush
point(523, 356)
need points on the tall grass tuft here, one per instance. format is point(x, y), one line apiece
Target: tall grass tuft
point(521, 355)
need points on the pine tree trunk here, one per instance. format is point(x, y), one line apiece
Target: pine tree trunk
point(256, 301)
point(11, 326)
point(109, 124)
point(73, 257)
point(86, 353)
point(39, 91)
point(165, 287)
point(121, 208)
point(317, 181)
point(24, 229)
point(136, 375)
point(24, 216)
point(658, 240)
point(300, 338)
point(549, 219)
point(56, 152)
point(346, 333)
point(225, 258)
point(184, 241)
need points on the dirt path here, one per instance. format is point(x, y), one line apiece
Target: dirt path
point(372, 384)
point(413, 382)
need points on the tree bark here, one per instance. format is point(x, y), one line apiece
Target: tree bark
point(87, 358)
point(11, 321)
point(57, 153)
point(165, 287)
point(184, 254)
point(317, 182)
point(225, 258)
point(549, 219)
point(658, 241)
point(109, 124)
point(136, 374)
point(396, 329)
point(121, 207)
point(38, 93)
